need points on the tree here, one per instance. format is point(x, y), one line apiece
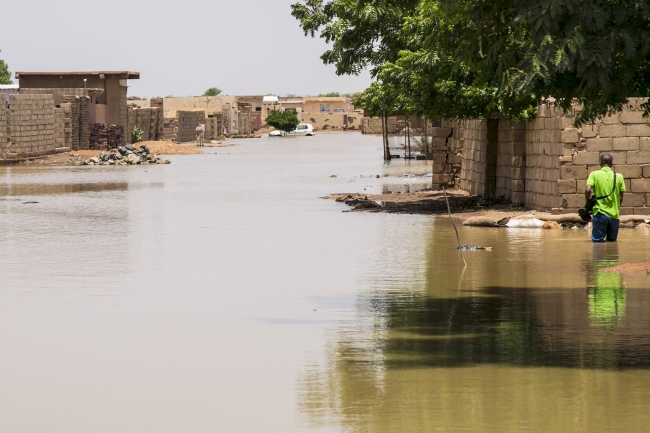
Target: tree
point(283, 120)
point(363, 33)
point(212, 91)
point(330, 95)
point(5, 75)
point(498, 57)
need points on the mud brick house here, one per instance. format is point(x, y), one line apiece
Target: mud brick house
point(109, 88)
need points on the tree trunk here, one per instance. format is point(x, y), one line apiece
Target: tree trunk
point(408, 131)
point(384, 127)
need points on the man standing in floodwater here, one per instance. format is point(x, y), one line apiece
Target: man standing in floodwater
point(608, 187)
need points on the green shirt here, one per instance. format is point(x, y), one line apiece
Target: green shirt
point(602, 183)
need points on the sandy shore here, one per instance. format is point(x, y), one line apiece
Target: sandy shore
point(77, 157)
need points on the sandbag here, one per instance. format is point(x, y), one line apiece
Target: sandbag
point(525, 223)
point(486, 221)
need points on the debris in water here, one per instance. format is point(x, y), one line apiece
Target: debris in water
point(473, 248)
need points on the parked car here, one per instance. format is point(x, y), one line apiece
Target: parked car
point(306, 129)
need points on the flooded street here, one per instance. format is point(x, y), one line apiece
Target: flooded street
point(221, 294)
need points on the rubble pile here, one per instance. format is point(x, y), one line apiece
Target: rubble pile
point(105, 137)
point(126, 155)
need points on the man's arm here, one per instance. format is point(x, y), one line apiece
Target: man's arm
point(588, 191)
point(622, 195)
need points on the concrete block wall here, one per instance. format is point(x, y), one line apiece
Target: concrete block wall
point(446, 161)
point(149, 120)
point(187, 123)
point(170, 129)
point(624, 135)
point(4, 138)
point(30, 125)
point(158, 103)
point(123, 104)
point(543, 149)
point(474, 156)
point(78, 123)
point(511, 162)
point(63, 127)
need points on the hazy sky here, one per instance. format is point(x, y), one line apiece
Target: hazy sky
point(181, 47)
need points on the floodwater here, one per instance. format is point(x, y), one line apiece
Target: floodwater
point(221, 294)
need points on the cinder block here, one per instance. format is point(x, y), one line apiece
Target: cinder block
point(573, 200)
point(640, 185)
point(586, 158)
point(633, 117)
point(570, 135)
point(590, 131)
point(638, 157)
point(644, 143)
point(566, 186)
point(630, 171)
point(573, 172)
point(641, 210)
point(619, 157)
point(599, 144)
point(616, 130)
point(627, 210)
point(625, 143)
point(634, 200)
point(441, 132)
point(638, 130)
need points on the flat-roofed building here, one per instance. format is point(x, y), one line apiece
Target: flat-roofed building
point(109, 87)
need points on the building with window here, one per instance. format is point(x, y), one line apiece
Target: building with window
point(327, 105)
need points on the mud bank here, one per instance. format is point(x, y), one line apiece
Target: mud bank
point(471, 210)
point(642, 268)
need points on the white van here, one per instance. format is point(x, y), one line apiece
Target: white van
point(306, 129)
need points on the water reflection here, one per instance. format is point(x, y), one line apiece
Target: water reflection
point(607, 298)
point(529, 337)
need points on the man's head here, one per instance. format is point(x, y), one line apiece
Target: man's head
point(606, 160)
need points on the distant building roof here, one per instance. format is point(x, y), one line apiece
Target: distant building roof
point(326, 98)
point(271, 99)
point(123, 74)
point(9, 87)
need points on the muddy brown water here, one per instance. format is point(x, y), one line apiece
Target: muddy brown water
point(219, 293)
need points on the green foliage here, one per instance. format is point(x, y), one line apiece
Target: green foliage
point(330, 95)
point(5, 75)
point(283, 120)
point(465, 58)
point(212, 91)
point(136, 135)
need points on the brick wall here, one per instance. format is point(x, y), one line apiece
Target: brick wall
point(511, 162)
point(4, 138)
point(543, 149)
point(63, 126)
point(78, 104)
point(445, 165)
point(30, 125)
point(169, 129)
point(474, 156)
point(187, 123)
point(624, 135)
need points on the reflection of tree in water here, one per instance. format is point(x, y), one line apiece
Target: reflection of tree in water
point(431, 348)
